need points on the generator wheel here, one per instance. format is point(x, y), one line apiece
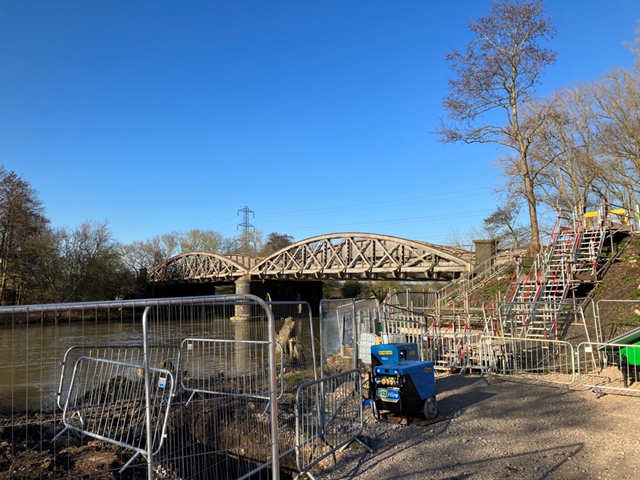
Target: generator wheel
point(431, 408)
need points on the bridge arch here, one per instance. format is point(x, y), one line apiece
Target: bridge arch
point(363, 255)
point(330, 256)
point(202, 267)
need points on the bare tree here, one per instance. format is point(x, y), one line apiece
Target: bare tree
point(275, 241)
point(201, 241)
point(247, 242)
point(22, 221)
point(617, 95)
point(563, 157)
point(499, 70)
point(85, 264)
point(502, 224)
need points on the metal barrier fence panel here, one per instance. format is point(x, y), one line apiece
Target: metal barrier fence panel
point(300, 338)
point(404, 326)
point(343, 322)
point(338, 336)
point(616, 317)
point(448, 342)
point(106, 401)
point(368, 323)
point(207, 437)
point(563, 319)
point(329, 415)
point(609, 367)
point(229, 367)
point(451, 343)
point(165, 356)
point(415, 301)
point(230, 429)
point(551, 361)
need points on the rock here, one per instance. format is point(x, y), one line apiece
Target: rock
point(99, 461)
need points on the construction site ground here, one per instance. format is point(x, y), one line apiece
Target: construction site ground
point(522, 429)
point(503, 429)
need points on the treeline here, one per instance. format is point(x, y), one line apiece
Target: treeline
point(585, 150)
point(44, 264)
point(570, 150)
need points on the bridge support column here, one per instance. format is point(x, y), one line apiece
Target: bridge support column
point(243, 287)
point(485, 251)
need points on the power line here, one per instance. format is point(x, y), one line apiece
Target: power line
point(395, 221)
point(388, 203)
point(397, 202)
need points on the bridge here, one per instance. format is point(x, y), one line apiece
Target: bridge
point(333, 256)
point(360, 256)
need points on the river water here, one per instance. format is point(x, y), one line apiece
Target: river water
point(31, 355)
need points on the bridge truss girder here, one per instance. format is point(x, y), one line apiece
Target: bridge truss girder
point(363, 256)
point(198, 267)
point(333, 256)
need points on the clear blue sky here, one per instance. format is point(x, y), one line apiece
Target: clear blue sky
point(167, 115)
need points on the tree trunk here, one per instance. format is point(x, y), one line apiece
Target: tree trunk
point(534, 246)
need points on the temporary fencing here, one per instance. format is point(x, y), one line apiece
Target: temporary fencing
point(367, 323)
point(329, 416)
point(210, 363)
point(621, 315)
point(551, 361)
point(452, 343)
point(414, 301)
point(161, 355)
point(547, 319)
point(609, 367)
point(106, 401)
point(226, 424)
point(447, 341)
point(134, 374)
point(404, 325)
point(300, 340)
point(338, 336)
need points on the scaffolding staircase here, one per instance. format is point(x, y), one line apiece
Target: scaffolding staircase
point(535, 300)
point(453, 294)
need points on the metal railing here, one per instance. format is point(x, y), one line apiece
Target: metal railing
point(451, 344)
point(234, 368)
point(609, 367)
point(338, 335)
point(329, 416)
point(163, 356)
point(550, 361)
point(106, 401)
point(126, 384)
point(235, 434)
point(621, 315)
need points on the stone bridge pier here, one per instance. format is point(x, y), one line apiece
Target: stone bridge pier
point(243, 287)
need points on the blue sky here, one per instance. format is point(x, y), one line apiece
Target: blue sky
point(166, 115)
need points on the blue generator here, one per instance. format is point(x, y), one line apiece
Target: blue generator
point(401, 384)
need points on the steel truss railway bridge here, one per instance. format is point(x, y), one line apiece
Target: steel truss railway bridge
point(302, 266)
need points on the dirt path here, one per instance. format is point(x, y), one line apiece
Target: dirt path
point(505, 429)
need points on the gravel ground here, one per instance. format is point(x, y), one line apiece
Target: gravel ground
point(503, 429)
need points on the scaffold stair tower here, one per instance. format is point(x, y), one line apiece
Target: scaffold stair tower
point(535, 299)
